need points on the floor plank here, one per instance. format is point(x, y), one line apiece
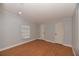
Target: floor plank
point(38, 48)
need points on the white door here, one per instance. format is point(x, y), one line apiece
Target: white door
point(59, 32)
point(42, 31)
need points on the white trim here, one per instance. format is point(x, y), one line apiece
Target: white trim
point(60, 43)
point(32, 40)
point(15, 45)
point(74, 51)
point(64, 45)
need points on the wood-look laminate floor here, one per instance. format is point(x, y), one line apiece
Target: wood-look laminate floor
point(38, 48)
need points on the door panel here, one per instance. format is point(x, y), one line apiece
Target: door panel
point(59, 32)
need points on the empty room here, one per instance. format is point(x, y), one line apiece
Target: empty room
point(39, 29)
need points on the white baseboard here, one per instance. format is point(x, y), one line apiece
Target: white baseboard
point(35, 39)
point(15, 45)
point(74, 51)
point(59, 43)
point(64, 45)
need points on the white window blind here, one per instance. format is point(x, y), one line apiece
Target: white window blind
point(25, 30)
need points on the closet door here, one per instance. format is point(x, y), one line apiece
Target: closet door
point(59, 32)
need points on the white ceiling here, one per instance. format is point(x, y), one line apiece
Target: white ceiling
point(42, 12)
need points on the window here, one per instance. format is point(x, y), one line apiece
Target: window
point(25, 29)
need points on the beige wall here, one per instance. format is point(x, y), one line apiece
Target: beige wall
point(75, 40)
point(68, 31)
point(49, 29)
point(10, 29)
